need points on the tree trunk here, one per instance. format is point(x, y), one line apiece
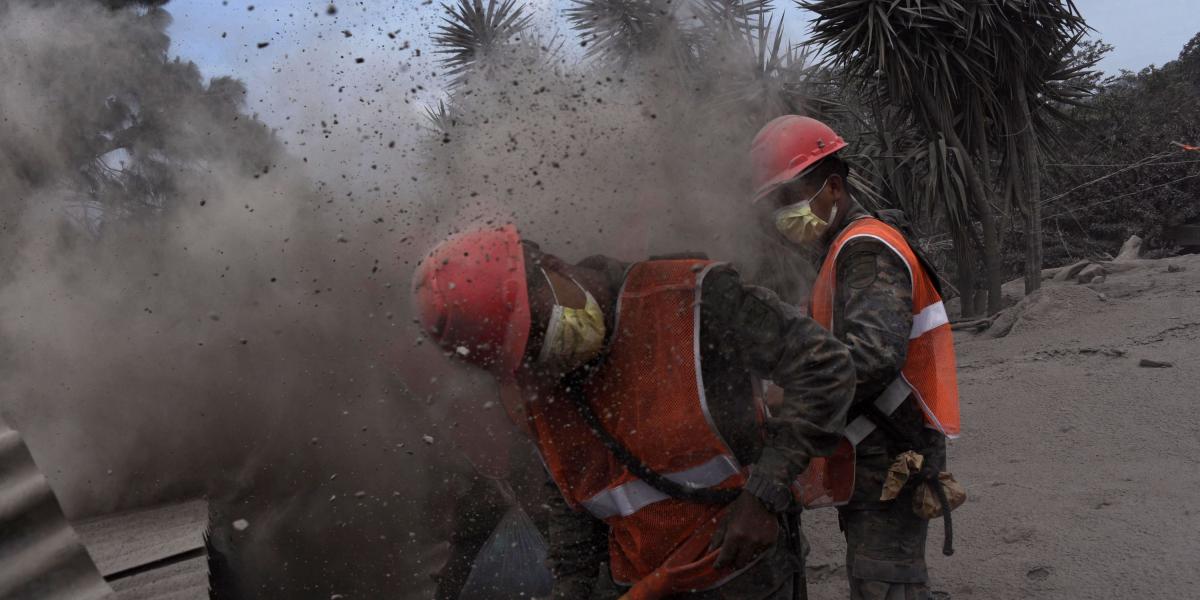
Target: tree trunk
point(991, 240)
point(1033, 200)
point(886, 177)
point(964, 256)
point(994, 274)
point(977, 190)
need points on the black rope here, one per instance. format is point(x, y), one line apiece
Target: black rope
point(931, 479)
point(791, 523)
point(636, 465)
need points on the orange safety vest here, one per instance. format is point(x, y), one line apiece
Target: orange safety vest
point(929, 375)
point(649, 395)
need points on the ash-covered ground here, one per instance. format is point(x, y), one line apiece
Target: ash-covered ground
point(1080, 464)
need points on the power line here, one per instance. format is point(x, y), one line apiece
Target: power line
point(1144, 161)
point(1125, 195)
point(1160, 164)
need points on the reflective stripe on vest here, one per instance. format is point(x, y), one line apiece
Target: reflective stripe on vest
point(930, 318)
point(929, 373)
point(648, 394)
point(628, 498)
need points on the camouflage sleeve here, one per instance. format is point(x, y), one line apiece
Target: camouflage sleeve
point(873, 313)
point(577, 545)
point(781, 344)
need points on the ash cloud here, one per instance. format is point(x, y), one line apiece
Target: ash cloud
point(196, 304)
point(184, 311)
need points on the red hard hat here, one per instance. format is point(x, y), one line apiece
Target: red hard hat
point(786, 147)
point(471, 297)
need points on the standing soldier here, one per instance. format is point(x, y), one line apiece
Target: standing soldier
point(635, 383)
point(879, 297)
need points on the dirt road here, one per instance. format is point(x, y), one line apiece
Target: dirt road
point(1082, 467)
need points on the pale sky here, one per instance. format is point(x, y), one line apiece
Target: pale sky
point(223, 37)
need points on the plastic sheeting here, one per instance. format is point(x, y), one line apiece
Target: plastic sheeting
point(512, 563)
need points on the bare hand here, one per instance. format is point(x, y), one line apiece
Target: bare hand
point(746, 532)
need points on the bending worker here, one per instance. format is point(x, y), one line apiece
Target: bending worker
point(880, 298)
point(635, 382)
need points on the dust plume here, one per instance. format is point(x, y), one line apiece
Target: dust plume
point(184, 311)
point(193, 303)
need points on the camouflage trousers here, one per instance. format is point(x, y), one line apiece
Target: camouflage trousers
point(885, 553)
point(885, 541)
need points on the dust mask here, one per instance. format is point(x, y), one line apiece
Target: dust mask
point(574, 336)
point(799, 224)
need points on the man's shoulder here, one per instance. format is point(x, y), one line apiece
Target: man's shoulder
point(613, 269)
point(900, 254)
point(864, 260)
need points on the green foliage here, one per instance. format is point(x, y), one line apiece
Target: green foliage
point(901, 80)
point(119, 127)
point(1121, 173)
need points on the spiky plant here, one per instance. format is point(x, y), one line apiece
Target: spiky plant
point(746, 67)
point(1031, 63)
point(751, 72)
point(471, 32)
point(621, 30)
point(741, 15)
point(440, 117)
point(923, 56)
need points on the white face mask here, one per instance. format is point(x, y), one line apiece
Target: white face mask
point(574, 336)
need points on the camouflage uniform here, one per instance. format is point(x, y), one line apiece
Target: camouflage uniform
point(885, 541)
point(744, 331)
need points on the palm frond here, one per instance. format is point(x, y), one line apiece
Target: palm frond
point(620, 30)
point(470, 31)
point(945, 181)
point(732, 15)
point(903, 46)
point(753, 72)
point(441, 117)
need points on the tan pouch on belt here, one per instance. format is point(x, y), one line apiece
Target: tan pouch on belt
point(906, 465)
point(925, 501)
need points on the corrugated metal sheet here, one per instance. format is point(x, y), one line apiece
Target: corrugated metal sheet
point(41, 557)
point(186, 580)
point(159, 553)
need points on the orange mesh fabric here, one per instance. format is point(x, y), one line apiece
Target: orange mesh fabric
point(643, 541)
point(647, 391)
point(930, 368)
point(689, 566)
point(649, 396)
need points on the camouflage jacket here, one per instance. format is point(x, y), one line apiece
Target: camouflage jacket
point(872, 315)
point(744, 330)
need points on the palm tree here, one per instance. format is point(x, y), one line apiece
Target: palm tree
point(475, 39)
point(470, 32)
point(621, 31)
point(977, 77)
point(1033, 68)
point(922, 57)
